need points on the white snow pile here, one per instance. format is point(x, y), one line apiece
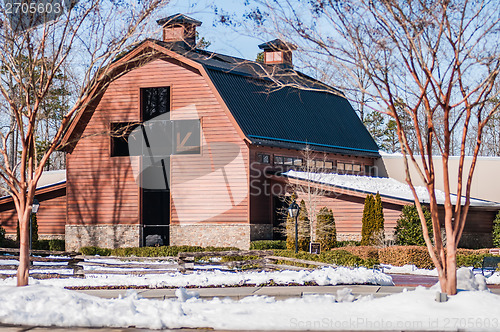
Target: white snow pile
point(415, 310)
point(467, 281)
point(494, 279)
point(385, 186)
point(323, 277)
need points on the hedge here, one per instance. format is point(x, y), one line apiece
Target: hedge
point(402, 255)
point(365, 252)
point(337, 257)
point(163, 251)
point(267, 244)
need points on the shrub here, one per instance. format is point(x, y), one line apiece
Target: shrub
point(326, 233)
point(378, 237)
point(365, 252)
point(367, 220)
point(337, 257)
point(267, 244)
point(408, 229)
point(304, 230)
point(373, 221)
point(2, 235)
point(496, 231)
point(348, 243)
point(41, 245)
point(57, 245)
point(402, 255)
point(92, 251)
point(163, 251)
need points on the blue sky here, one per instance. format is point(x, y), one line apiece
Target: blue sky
point(225, 40)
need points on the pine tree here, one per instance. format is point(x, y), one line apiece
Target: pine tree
point(496, 231)
point(368, 225)
point(408, 229)
point(326, 232)
point(304, 229)
point(378, 235)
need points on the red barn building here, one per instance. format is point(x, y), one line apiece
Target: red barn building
point(187, 147)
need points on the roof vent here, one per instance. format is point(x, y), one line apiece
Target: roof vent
point(179, 27)
point(278, 52)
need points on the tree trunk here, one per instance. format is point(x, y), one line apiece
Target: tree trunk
point(451, 270)
point(24, 254)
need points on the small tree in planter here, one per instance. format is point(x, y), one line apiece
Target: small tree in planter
point(368, 225)
point(496, 231)
point(326, 233)
point(304, 229)
point(408, 229)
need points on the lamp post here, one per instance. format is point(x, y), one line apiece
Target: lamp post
point(293, 212)
point(34, 209)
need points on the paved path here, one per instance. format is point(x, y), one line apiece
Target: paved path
point(237, 293)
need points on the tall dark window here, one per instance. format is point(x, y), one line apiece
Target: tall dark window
point(155, 101)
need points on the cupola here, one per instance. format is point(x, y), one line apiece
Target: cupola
point(179, 27)
point(278, 52)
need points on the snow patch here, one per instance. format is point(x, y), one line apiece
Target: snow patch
point(413, 310)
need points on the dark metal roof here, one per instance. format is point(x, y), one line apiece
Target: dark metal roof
point(178, 19)
point(278, 45)
point(291, 117)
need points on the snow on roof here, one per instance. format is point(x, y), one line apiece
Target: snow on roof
point(385, 186)
point(50, 178)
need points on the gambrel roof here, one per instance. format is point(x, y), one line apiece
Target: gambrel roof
point(274, 105)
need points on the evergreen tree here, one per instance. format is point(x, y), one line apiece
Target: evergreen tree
point(304, 229)
point(378, 234)
point(408, 229)
point(326, 232)
point(368, 224)
point(496, 231)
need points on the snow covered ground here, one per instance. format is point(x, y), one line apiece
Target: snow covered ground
point(324, 276)
point(415, 310)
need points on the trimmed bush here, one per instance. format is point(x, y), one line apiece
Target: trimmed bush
point(348, 243)
point(378, 236)
point(164, 251)
point(402, 255)
point(408, 229)
point(365, 252)
point(267, 244)
point(496, 231)
point(326, 233)
point(57, 245)
point(92, 251)
point(304, 230)
point(372, 231)
point(337, 257)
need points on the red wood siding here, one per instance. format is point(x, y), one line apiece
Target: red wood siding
point(102, 189)
point(262, 189)
point(51, 216)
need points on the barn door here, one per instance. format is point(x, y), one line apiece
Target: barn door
point(155, 197)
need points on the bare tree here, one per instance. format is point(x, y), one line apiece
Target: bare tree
point(88, 36)
point(434, 63)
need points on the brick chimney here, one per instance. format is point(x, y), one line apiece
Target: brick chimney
point(278, 52)
point(179, 27)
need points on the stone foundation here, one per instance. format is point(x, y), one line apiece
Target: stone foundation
point(40, 236)
point(348, 237)
point(104, 236)
point(217, 235)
